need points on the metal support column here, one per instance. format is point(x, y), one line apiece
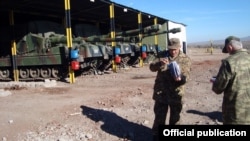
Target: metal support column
point(156, 36)
point(140, 37)
point(13, 48)
point(112, 27)
point(69, 37)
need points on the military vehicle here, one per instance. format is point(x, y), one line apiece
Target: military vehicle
point(35, 59)
point(42, 53)
point(126, 41)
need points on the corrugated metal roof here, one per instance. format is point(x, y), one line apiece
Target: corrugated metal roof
point(80, 10)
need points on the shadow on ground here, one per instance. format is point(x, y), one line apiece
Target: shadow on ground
point(118, 126)
point(215, 115)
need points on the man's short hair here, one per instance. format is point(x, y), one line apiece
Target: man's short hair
point(227, 41)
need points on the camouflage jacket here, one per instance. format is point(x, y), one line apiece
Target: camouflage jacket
point(165, 87)
point(233, 79)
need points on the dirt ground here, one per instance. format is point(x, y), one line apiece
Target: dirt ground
point(109, 107)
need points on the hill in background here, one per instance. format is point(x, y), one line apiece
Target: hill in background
point(219, 43)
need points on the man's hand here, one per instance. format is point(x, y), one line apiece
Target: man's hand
point(164, 61)
point(177, 78)
point(212, 79)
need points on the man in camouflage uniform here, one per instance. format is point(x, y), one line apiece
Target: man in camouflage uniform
point(233, 79)
point(168, 90)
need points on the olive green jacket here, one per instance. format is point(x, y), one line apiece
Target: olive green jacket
point(233, 79)
point(165, 87)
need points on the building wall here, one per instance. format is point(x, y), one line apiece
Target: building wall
point(181, 35)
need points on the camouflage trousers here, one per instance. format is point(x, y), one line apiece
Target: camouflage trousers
point(161, 110)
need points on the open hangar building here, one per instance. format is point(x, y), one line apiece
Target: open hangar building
point(22, 19)
point(96, 12)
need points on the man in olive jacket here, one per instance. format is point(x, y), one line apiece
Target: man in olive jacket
point(169, 85)
point(233, 79)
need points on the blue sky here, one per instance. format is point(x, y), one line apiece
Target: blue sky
point(205, 20)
